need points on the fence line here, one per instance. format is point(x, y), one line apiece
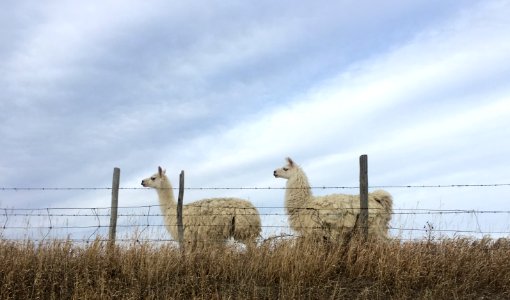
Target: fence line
point(257, 188)
point(51, 215)
point(50, 228)
point(396, 211)
point(8, 216)
point(137, 239)
point(492, 246)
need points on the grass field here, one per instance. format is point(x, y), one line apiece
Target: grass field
point(284, 269)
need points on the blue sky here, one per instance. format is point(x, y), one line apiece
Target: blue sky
point(225, 90)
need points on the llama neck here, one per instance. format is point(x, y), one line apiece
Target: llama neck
point(166, 196)
point(298, 193)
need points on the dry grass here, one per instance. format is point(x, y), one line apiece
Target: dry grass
point(445, 269)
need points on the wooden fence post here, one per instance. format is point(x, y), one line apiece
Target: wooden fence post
point(363, 194)
point(115, 205)
point(180, 228)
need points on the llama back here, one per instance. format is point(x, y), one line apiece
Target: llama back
point(242, 215)
point(341, 211)
point(384, 199)
point(348, 201)
point(247, 224)
point(379, 219)
point(337, 210)
point(222, 218)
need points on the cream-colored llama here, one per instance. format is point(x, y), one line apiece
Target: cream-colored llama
point(208, 220)
point(330, 216)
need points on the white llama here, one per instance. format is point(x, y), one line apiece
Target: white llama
point(330, 216)
point(208, 220)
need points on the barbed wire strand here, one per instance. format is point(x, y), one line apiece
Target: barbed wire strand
point(256, 188)
point(97, 227)
point(501, 245)
point(396, 211)
point(430, 212)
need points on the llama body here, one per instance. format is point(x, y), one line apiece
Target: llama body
point(208, 220)
point(330, 216)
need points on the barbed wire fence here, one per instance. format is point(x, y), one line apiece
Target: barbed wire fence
point(144, 223)
point(140, 218)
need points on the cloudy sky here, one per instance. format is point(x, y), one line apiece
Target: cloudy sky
point(225, 90)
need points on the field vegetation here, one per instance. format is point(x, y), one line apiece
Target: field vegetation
point(281, 269)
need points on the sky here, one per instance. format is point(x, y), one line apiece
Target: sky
point(225, 90)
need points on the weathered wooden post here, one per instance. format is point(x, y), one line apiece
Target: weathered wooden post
point(115, 205)
point(180, 228)
point(363, 195)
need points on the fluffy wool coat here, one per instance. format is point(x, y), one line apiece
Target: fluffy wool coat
point(330, 216)
point(209, 220)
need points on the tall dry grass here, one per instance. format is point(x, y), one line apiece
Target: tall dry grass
point(284, 269)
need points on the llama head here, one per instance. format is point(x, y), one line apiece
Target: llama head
point(288, 170)
point(157, 180)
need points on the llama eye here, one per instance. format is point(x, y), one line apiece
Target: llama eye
point(285, 169)
point(153, 178)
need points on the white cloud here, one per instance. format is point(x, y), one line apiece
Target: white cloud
point(329, 123)
point(227, 92)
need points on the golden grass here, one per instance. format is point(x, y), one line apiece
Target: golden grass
point(284, 269)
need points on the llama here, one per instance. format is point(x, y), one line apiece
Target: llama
point(207, 220)
point(331, 216)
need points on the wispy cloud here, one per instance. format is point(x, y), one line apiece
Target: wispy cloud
point(226, 91)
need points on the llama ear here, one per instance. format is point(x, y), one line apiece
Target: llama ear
point(290, 161)
point(161, 171)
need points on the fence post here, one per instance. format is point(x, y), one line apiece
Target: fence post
point(363, 194)
point(180, 228)
point(115, 205)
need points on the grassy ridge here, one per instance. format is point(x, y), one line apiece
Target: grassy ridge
point(444, 269)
